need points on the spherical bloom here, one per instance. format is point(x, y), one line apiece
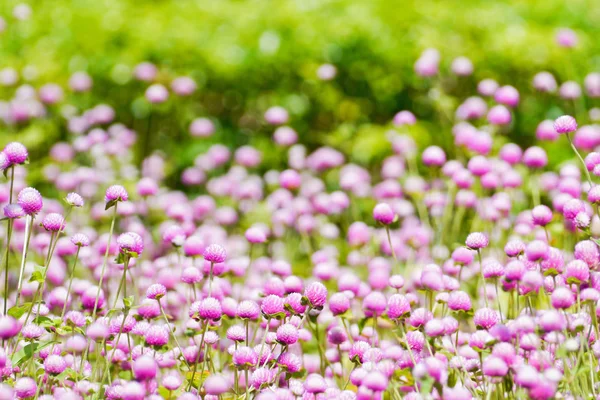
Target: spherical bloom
point(287, 334)
point(339, 303)
point(16, 153)
point(486, 318)
point(276, 115)
point(494, 366)
point(215, 254)
point(404, 118)
point(156, 291)
point(210, 308)
point(477, 240)
point(245, 357)
point(255, 235)
point(80, 239)
point(216, 385)
point(577, 271)
point(130, 243)
point(434, 156)
point(398, 306)
point(145, 368)
point(25, 388)
point(54, 364)
point(157, 93)
point(53, 222)
point(374, 304)
point(459, 301)
point(316, 293)
point(566, 37)
point(272, 305)
point(157, 336)
point(541, 215)
point(74, 199)
point(13, 211)
point(248, 309)
point(30, 200)
point(116, 193)
point(562, 298)
point(565, 124)
point(383, 213)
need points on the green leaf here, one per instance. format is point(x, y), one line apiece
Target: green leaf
point(128, 301)
point(44, 322)
point(110, 204)
point(197, 378)
point(361, 324)
point(37, 276)
point(28, 351)
point(18, 311)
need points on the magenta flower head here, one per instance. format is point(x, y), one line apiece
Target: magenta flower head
point(494, 366)
point(541, 215)
point(287, 334)
point(339, 303)
point(374, 304)
point(215, 254)
point(13, 211)
point(16, 153)
point(316, 293)
point(272, 306)
point(255, 235)
point(398, 306)
point(562, 298)
point(459, 301)
point(383, 213)
point(53, 222)
point(486, 318)
point(210, 308)
point(477, 241)
point(114, 194)
point(276, 115)
point(434, 156)
point(157, 93)
point(54, 364)
point(565, 124)
point(404, 118)
point(25, 388)
point(75, 200)
point(130, 243)
point(248, 309)
point(30, 200)
point(145, 368)
point(80, 240)
point(156, 291)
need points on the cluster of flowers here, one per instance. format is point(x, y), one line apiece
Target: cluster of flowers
point(326, 280)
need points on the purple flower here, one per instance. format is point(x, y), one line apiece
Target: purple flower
point(30, 200)
point(565, 124)
point(215, 254)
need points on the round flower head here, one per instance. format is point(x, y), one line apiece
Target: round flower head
point(248, 309)
point(316, 293)
point(374, 304)
point(54, 364)
point(16, 153)
point(30, 200)
point(398, 306)
point(156, 291)
point(339, 303)
point(80, 239)
point(476, 241)
point(74, 199)
point(216, 385)
point(486, 318)
point(255, 235)
point(157, 93)
point(565, 124)
point(383, 213)
point(459, 301)
point(215, 253)
point(130, 243)
point(541, 215)
point(115, 193)
point(25, 388)
point(287, 334)
point(13, 211)
point(145, 368)
point(210, 308)
point(53, 222)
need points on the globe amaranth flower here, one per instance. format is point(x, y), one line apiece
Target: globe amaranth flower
point(316, 293)
point(53, 222)
point(80, 239)
point(130, 243)
point(565, 124)
point(156, 291)
point(215, 253)
point(74, 199)
point(477, 240)
point(30, 200)
point(114, 194)
point(13, 211)
point(16, 153)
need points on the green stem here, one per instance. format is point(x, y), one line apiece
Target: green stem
point(62, 314)
point(103, 271)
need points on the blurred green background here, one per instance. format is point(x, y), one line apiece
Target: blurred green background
point(249, 55)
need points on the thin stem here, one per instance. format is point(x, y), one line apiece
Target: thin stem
point(589, 177)
point(28, 230)
point(62, 314)
point(162, 310)
point(102, 272)
point(8, 237)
